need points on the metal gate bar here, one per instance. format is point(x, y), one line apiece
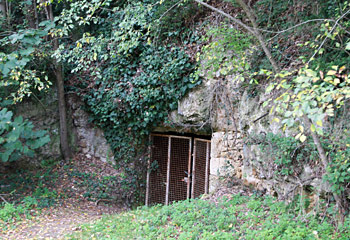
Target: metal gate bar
point(207, 168)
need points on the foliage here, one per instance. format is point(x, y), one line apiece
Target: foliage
point(287, 153)
point(20, 57)
point(17, 137)
point(20, 51)
point(32, 188)
point(96, 187)
point(225, 52)
point(236, 217)
point(9, 211)
point(173, 21)
point(288, 46)
point(43, 197)
point(312, 94)
point(338, 171)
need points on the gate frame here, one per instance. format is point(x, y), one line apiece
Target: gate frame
point(207, 157)
point(191, 160)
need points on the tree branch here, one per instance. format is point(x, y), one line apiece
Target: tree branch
point(258, 35)
point(325, 39)
point(254, 31)
point(239, 22)
point(338, 198)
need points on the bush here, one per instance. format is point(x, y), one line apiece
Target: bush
point(17, 137)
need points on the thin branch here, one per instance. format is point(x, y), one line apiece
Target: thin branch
point(260, 117)
point(239, 22)
point(251, 29)
point(3, 199)
point(254, 31)
point(326, 38)
point(295, 26)
point(169, 9)
point(258, 35)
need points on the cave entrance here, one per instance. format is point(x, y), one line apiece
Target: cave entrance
point(178, 168)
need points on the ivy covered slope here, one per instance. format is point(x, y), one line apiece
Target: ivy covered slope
point(235, 217)
point(129, 74)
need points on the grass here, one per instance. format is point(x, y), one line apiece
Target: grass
point(238, 217)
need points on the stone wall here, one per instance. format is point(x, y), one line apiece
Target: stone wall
point(83, 135)
point(90, 139)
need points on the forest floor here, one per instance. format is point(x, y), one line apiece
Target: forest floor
point(56, 222)
point(55, 199)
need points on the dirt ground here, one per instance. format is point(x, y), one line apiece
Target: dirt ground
point(68, 213)
point(57, 222)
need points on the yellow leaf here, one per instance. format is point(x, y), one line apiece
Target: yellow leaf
point(301, 128)
point(78, 45)
point(298, 136)
point(336, 81)
point(319, 123)
point(302, 138)
point(339, 99)
point(335, 67)
point(331, 72)
point(276, 120)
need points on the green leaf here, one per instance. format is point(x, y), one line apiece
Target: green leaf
point(313, 128)
point(347, 47)
point(26, 52)
point(5, 156)
point(270, 88)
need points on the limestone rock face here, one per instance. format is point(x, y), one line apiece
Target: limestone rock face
point(83, 135)
point(194, 108)
point(192, 114)
point(230, 125)
point(90, 139)
point(44, 116)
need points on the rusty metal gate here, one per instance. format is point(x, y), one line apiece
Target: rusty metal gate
point(178, 168)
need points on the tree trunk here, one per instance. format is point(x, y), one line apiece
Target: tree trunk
point(338, 198)
point(3, 7)
point(65, 149)
point(257, 34)
point(30, 13)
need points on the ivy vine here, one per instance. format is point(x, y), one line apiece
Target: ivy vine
point(129, 82)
